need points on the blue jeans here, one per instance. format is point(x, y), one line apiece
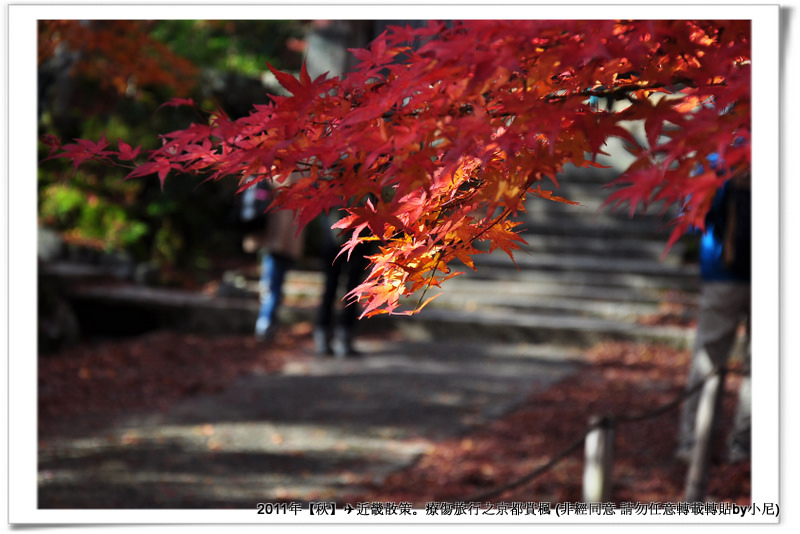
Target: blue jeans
point(273, 273)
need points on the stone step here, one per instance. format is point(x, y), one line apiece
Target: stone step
point(465, 289)
point(603, 227)
point(516, 326)
point(528, 260)
point(570, 280)
point(487, 295)
point(592, 198)
point(621, 247)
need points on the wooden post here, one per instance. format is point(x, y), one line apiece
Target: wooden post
point(706, 422)
point(599, 460)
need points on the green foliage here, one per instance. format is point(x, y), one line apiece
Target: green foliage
point(183, 224)
point(242, 46)
point(96, 218)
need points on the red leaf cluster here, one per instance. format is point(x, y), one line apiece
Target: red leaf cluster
point(431, 149)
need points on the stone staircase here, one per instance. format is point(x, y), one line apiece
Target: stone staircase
point(584, 276)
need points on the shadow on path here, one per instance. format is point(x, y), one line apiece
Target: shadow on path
point(320, 429)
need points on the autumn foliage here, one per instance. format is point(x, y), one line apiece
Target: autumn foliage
point(119, 54)
point(431, 149)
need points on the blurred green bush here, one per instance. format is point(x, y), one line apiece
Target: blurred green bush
point(90, 85)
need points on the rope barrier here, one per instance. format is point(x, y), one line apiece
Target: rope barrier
point(603, 421)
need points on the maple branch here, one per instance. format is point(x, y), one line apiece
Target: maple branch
point(440, 254)
point(622, 92)
point(453, 125)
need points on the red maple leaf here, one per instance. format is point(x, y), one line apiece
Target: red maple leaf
point(437, 129)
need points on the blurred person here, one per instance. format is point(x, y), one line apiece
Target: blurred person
point(326, 51)
point(332, 337)
point(724, 305)
point(279, 244)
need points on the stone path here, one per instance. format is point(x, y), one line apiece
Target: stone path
point(321, 429)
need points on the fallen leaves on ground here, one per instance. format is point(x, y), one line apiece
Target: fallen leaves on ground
point(105, 379)
point(622, 379)
point(111, 377)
